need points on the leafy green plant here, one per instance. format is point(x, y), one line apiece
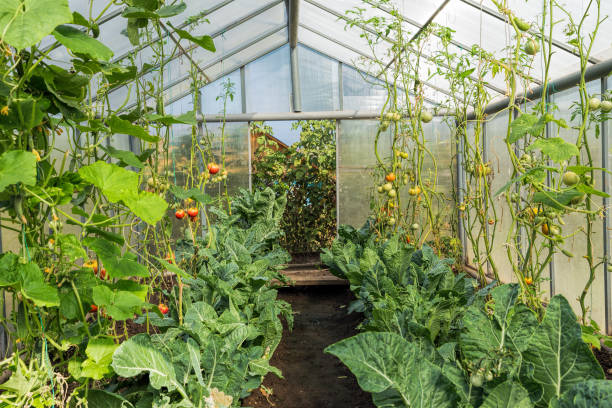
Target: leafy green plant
point(306, 173)
point(467, 347)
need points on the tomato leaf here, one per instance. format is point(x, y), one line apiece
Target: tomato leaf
point(204, 41)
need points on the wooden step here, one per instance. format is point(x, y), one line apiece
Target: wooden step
point(313, 277)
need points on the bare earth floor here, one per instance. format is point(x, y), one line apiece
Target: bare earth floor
point(313, 379)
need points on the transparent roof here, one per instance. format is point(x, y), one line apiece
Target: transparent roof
point(244, 30)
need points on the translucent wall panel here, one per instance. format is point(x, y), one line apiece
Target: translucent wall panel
point(601, 48)
point(213, 95)
point(178, 160)
point(236, 135)
point(360, 91)
point(268, 83)
point(571, 274)
point(319, 80)
point(473, 227)
point(355, 150)
point(499, 158)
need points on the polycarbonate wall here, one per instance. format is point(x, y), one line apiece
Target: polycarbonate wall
point(567, 276)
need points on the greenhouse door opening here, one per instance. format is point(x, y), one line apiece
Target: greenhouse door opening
point(299, 159)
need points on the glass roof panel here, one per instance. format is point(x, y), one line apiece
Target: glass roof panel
point(231, 13)
point(318, 20)
point(97, 6)
point(264, 46)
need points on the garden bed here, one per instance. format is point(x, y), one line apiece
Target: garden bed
point(312, 378)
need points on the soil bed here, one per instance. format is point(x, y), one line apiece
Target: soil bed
point(313, 379)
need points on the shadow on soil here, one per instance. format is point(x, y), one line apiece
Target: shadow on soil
point(313, 379)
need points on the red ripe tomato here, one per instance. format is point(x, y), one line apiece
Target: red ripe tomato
point(213, 168)
point(390, 177)
point(193, 212)
point(103, 273)
point(180, 214)
point(93, 309)
point(163, 308)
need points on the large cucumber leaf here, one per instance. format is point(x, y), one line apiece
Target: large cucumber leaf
point(17, 166)
point(23, 23)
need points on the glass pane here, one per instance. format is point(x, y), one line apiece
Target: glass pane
point(268, 83)
point(355, 160)
point(360, 91)
point(235, 137)
point(234, 39)
point(499, 158)
point(213, 95)
point(228, 64)
point(571, 274)
point(319, 81)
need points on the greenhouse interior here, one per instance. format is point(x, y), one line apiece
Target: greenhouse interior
point(305, 203)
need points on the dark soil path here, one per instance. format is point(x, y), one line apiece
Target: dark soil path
point(313, 379)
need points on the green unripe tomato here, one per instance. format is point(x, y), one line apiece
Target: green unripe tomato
point(387, 187)
point(594, 103)
point(570, 178)
point(380, 189)
point(426, 116)
point(391, 221)
point(526, 158)
point(489, 376)
point(532, 47)
point(414, 226)
point(476, 380)
point(522, 24)
point(384, 125)
point(606, 106)
point(404, 155)
point(514, 197)
point(392, 193)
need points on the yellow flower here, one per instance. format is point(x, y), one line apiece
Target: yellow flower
point(5, 110)
point(36, 154)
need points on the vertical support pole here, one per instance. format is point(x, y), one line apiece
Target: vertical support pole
point(296, 89)
point(460, 190)
point(293, 11)
point(243, 99)
point(517, 189)
point(337, 176)
point(605, 145)
point(250, 147)
point(340, 87)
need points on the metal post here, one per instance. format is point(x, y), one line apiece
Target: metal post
point(337, 176)
point(460, 189)
point(340, 87)
point(243, 89)
point(606, 221)
point(296, 90)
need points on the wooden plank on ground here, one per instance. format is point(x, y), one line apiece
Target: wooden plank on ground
point(313, 277)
